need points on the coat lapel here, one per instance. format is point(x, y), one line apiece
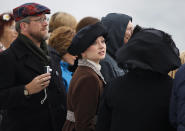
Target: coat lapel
point(29, 60)
point(34, 64)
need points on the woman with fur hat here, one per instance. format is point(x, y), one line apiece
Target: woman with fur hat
point(81, 24)
point(87, 82)
point(60, 39)
point(139, 100)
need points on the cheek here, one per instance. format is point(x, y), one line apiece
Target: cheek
point(125, 41)
point(126, 33)
point(105, 46)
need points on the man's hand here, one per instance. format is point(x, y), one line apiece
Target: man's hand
point(38, 83)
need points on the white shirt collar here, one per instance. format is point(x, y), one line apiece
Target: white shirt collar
point(98, 66)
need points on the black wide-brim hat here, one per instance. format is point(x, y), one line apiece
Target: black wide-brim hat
point(86, 37)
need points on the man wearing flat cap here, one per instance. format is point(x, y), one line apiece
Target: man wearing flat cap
point(31, 88)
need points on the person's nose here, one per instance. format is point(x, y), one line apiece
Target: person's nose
point(102, 45)
point(45, 23)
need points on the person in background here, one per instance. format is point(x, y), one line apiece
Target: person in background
point(87, 82)
point(139, 100)
point(59, 19)
point(7, 30)
point(31, 88)
point(7, 35)
point(182, 57)
point(86, 21)
point(120, 30)
point(60, 39)
point(177, 103)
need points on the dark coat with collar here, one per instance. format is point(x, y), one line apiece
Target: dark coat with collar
point(18, 67)
point(137, 101)
point(177, 104)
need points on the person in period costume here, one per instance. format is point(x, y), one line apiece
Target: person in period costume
point(32, 93)
point(120, 29)
point(87, 82)
point(139, 100)
point(81, 24)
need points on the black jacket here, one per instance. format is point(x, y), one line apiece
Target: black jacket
point(137, 101)
point(18, 67)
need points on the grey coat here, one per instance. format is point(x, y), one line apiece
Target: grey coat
point(110, 69)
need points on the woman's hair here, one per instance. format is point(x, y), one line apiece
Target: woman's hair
point(60, 39)
point(182, 58)
point(86, 21)
point(62, 19)
point(6, 19)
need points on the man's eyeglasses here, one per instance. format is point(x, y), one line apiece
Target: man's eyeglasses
point(41, 19)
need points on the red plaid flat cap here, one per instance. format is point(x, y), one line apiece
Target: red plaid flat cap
point(29, 9)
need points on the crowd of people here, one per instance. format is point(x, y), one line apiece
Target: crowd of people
point(93, 75)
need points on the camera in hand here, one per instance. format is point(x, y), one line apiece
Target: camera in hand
point(47, 69)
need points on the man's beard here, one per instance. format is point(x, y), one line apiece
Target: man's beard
point(38, 37)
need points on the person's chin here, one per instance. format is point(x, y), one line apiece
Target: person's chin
point(102, 57)
point(46, 36)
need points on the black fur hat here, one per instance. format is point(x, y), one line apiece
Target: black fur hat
point(86, 37)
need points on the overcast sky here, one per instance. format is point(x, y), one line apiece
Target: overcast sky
point(167, 15)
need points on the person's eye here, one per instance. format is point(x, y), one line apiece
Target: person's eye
point(12, 27)
point(103, 41)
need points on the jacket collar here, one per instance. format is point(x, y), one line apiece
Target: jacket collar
point(22, 53)
point(85, 62)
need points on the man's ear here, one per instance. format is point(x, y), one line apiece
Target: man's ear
point(23, 26)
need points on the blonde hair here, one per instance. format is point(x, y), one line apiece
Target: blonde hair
point(60, 39)
point(182, 58)
point(62, 19)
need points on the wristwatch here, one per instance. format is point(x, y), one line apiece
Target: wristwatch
point(26, 93)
